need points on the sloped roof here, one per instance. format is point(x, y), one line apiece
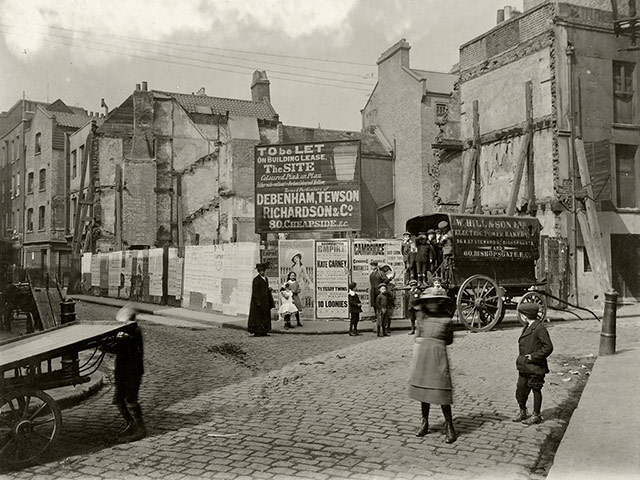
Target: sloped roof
point(73, 120)
point(437, 82)
point(243, 108)
point(370, 145)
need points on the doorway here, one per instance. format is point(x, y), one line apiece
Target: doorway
point(625, 258)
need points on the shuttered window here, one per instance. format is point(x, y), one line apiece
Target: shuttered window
point(627, 187)
point(623, 92)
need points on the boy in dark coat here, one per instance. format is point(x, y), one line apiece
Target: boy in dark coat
point(382, 307)
point(129, 368)
point(355, 307)
point(414, 295)
point(534, 346)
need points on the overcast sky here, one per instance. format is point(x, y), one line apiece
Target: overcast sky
point(320, 55)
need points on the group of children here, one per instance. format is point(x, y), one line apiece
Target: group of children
point(427, 255)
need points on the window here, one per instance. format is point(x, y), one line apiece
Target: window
point(13, 143)
point(74, 206)
point(441, 109)
point(16, 152)
point(18, 184)
point(626, 176)
point(38, 144)
point(4, 191)
point(623, 92)
point(43, 179)
point(17, 225)
point(74, 164)
point(30, 182)
point(30, 220)
point(3, 157)
point(41, 218)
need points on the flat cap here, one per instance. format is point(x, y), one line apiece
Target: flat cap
point(529, 309)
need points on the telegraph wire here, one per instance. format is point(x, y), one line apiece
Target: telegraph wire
point(75, 42)
point(207, 67)
point(161, 43)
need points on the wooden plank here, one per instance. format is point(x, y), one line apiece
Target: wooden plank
point(471, 159)
point(531, 191)
point(53, 343)
point(517, 175)
point(477, 199)
point(599, 266)
point(48, 315)
point(594, 233)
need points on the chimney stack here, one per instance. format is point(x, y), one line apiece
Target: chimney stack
point(144, 86)
point(500, 16)
point(137, 87)
point(260, 86)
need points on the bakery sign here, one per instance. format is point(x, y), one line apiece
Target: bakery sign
point(307, 186)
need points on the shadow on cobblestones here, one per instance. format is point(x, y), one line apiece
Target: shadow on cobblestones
point(562, 412)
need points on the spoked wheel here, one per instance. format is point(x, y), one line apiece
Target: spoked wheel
point(480, 305)
point(533, 297)
point(30, 421)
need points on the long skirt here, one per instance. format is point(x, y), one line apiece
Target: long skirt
point(430, 380)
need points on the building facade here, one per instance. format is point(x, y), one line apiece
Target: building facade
point(405, 105)
point(173, 169)
point(32, 186)
point(547, 76)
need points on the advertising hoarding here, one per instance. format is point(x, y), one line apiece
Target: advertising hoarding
point(307, 187)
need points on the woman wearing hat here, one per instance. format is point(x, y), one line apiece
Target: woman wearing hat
point(261, 304)
point(430, 380)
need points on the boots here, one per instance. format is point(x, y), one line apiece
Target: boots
point(298, 324)
point(521, 416)
point(413, 328)
point(424, 427)
point(450, 432)
point(127, 418)
point(378, 328)
point(352, 333)
point(138, 430)
point(287, 322)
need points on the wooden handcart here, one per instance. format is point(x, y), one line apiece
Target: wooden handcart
point(30, 419)
point(492, 264)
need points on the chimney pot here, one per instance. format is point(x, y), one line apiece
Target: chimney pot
point(500, 16)
point(144, 86)
point(137, 87)
point(260, 86)
point(507, 12)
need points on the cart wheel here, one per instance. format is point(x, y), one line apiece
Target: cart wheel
point(480, 303)
point(533, 297)
point(30, 421)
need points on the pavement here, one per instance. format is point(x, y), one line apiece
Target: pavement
point(600, 441)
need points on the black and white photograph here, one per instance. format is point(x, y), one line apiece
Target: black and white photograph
point(319, 240)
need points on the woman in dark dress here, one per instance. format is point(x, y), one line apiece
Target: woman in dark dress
point(430, 380)
point(261, 304)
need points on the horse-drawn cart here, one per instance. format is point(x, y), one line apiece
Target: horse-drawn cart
point(30, 419)
point(492, 262)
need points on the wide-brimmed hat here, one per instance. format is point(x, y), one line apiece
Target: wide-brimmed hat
point(262, 266)
point(442, 225)
point(437, 302)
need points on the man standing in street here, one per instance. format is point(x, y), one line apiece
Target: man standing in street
point(261, 304)
point(534, 346)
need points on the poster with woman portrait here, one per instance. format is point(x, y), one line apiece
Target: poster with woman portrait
point(296, 260)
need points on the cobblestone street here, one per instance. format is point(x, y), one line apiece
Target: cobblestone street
point(222, 404)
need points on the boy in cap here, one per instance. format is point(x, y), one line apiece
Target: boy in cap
point(129, 368)
point(414, 296)
point(534, 346)
point(355, 307)
point(382, 308)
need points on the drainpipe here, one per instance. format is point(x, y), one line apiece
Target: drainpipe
point(393, 190)
point(570, 51)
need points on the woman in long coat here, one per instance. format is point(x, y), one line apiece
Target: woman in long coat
point(261, 304)
point(430, 380)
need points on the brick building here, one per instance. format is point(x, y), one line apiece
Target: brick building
point(33, 186)
point(583, 83)
point(174, 169)
point(405, 105)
